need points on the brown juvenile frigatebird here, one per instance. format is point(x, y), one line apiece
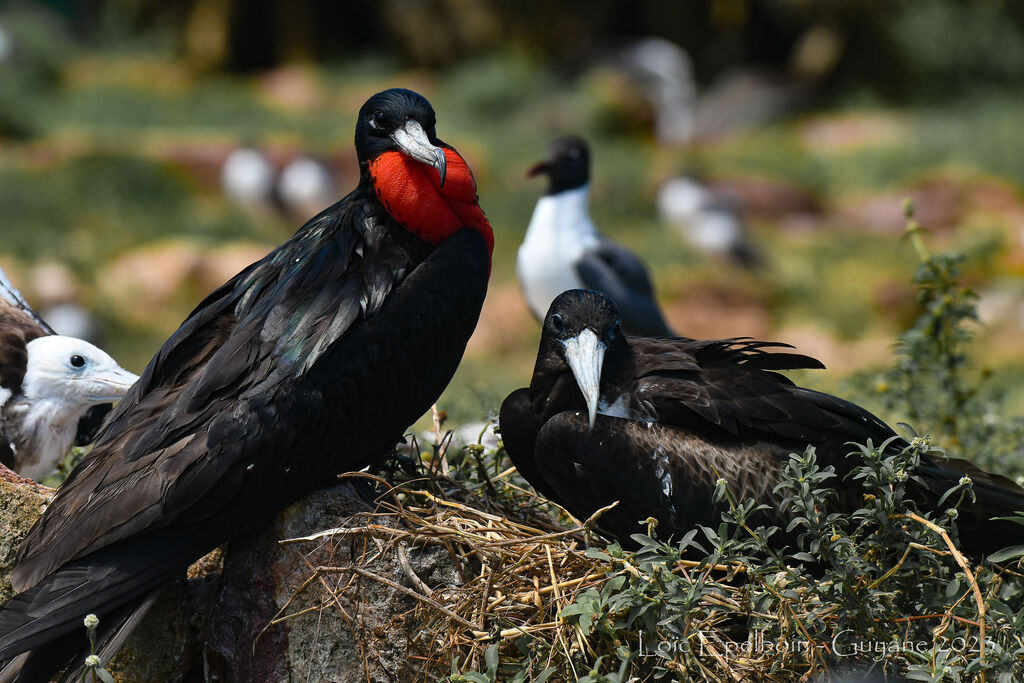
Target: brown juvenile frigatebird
point(563, 249)
point(52, 388)
point(308, 363)
point(654, 423)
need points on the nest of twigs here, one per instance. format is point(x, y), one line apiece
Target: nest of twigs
point(518, 567)
point(521, 561)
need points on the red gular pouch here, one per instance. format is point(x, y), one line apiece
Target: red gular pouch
point(412, 193)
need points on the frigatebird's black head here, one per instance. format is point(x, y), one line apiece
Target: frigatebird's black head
point(419, 180)
point(567, 164)
point(399, 120)
point(580, 326)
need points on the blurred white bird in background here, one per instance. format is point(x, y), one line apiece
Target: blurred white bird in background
point(664, 73)
point(305, 187)
point(247, 178)
point(709, 220)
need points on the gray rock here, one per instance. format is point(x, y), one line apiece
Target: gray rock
point(22, 501)
point(167, 645)
point(362, 635)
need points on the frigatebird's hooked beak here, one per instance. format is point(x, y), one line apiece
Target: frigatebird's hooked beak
point(413, 141)
point(585, 355)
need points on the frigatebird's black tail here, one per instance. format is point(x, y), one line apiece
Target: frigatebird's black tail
point(47, 619)
point(980, 532)
point(69, 652)
point(43, 664)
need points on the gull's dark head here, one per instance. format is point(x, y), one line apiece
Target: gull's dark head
point(580, 326)
point(399, 120)
point(567, 164)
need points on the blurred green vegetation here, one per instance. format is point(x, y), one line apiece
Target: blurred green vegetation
point(90, 208)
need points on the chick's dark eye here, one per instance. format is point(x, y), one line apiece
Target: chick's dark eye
point(77, 361)
point(557, 324)
point(377, 119)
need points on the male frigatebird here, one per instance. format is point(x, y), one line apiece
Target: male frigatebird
point(308, 363)
point(48, 384)
point(654, 423)
point(563, 250)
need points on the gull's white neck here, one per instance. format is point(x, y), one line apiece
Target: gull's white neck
point(560, 232)
point(562, 220)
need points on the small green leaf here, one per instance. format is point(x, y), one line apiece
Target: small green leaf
point(491, 659)
point(613, 586)
point(545, 675)
point(947, 494)
point(1018, 518)
point(1011, 553)
point(572, 610)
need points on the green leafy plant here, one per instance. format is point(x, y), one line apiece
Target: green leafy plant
point(932, 384)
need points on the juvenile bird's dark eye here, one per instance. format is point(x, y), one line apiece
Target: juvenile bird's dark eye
point(557, 324)
point(77, 361)
point(377, 119)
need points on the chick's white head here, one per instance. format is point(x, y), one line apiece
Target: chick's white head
point(73, 372)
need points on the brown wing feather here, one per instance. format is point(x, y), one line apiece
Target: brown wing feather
point(16, 330)
point(730, 387)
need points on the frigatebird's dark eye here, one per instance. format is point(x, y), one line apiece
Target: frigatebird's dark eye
point(377, 119)
point(557, 324)
point(573, 153)
point(77, 361)
point(615, 331)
